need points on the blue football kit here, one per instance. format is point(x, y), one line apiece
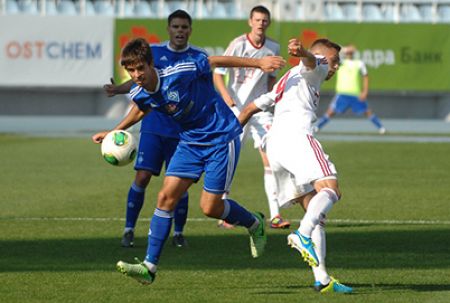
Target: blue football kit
point(209, 138)
point(159, 133)
point(158, 141)
point(185, 93)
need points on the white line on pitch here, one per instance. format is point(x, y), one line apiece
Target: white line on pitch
point(333, 221)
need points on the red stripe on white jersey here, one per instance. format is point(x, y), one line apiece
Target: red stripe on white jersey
point(319, 156)
point(281, 86)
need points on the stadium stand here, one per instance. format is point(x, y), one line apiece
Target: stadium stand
point(371, 13)
point(67, 7)
point(29, 7)
point(141, 9)
point(444, 13)
point(397, 11)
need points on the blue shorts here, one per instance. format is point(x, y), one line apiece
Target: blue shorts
point(341, 103)
point(218, 162)
point(153, 151)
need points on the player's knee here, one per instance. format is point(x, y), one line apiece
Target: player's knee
point(166, 201)
point(208, 209)
point(143, 178)
point(322, 221)
point(333, 193)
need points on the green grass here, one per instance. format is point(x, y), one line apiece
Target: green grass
point(67, 260)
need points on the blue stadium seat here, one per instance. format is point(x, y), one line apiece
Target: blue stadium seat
point(218, 11)
point(67, 7)
point(234, 12)
point(409, 13)
point(333, 12)
point(50, 8)
point(371, 13)
point(426, 11)
point(201, 10)
point(444, 13)
point(299, 12)
point(12, 8)
point(174, 5)
point(388, 12)
point(89, 9)
point(143, 9)
point(290, 10)
point(28, 7)
point(350, 12)
point(104, 7)
point(128, 8)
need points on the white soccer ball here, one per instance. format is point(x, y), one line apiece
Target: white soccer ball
point(119, 148)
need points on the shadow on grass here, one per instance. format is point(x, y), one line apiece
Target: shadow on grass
point(397, 287)
point(357, 250)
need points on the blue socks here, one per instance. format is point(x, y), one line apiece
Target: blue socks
point(376, 121)
point(135, 201)
point(160, 225)
point(236, 214)
point(322, 121)
point(180, 215)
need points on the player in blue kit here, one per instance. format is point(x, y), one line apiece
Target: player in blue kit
point(209, 143)
point(159, 134)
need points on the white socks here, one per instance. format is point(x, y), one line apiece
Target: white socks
point(151, 267)
point(319, 239)
point(271, 192)
point(318, 208)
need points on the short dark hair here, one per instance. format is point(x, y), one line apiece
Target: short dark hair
point(136, 51)
point(179, 13)
point(260, 9)
point(327, 43)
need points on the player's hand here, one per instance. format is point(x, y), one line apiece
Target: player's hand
point(110, 89)
point(295, 47)
point(271, 63)
point(98, 137)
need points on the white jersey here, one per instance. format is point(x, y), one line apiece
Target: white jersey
point(296, 98)
point(247, 84)
point(295, 156)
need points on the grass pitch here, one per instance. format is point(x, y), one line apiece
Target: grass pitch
point(62, 210)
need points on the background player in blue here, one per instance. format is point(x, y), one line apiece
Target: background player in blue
point(209, 143)
point(352, 88)
point(159, 134)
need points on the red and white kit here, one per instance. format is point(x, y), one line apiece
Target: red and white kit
point(295, 156)
point(247, 84)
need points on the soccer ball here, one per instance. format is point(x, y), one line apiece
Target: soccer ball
point(119, 148)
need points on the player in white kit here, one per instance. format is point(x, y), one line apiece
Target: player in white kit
point(303, 172)
point(247, 84)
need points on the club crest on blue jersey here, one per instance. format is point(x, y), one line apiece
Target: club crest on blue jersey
point(173, 96)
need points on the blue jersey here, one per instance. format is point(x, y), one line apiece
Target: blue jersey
point(185, 92)
point(156, 122)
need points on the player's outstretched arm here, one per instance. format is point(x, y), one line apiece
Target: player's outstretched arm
point(219, 83)
point(267, 64)
point(295, 48)
point(134, 116)
point(113, 89)
point(247, 113)
point(365, 88)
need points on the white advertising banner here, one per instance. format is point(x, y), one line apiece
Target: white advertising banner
point(56, 51)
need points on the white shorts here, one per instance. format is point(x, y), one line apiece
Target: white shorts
point(257, 127)
point(296, 163)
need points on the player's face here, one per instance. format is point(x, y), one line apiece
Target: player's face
point(179, 31)
point(332, 56)
point(259, 23)
point(139, 73)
